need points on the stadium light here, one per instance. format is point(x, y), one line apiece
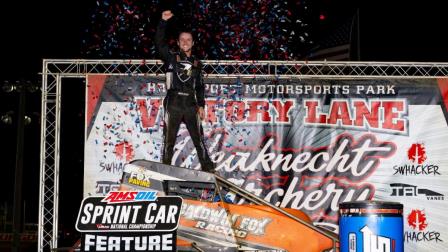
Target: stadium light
point(7, 87)
point(22, 87)
point(7, 118)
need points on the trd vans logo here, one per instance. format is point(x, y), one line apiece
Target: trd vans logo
point(103, 187)
point(399, 189)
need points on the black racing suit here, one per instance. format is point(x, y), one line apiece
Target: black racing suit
point(185, 94)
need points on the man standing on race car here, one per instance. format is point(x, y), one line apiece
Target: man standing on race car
point(184, 101)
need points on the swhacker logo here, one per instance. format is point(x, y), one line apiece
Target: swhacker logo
point(417, 220)
point(418, 223)
point(417, 155)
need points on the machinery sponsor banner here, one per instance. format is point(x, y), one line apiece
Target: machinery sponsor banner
point(304, 144)
point(129, 221)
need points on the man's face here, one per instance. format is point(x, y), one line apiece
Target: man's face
point(185, 42)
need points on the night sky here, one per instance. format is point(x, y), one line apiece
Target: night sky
point(35, 30)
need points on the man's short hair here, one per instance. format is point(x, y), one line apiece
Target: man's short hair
point(186, 31)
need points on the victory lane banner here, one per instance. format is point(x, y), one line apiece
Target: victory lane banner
point(129, 221)
point(305, 144)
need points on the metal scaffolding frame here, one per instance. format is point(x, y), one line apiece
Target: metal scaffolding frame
point(55, 70)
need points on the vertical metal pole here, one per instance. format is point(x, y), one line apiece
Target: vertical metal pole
point(43, 139)
point(17, 217)
point(56, 163)
point(358, 37)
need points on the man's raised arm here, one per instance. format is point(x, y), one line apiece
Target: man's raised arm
point(161, 44)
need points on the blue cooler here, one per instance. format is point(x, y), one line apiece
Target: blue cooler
point(371, 226)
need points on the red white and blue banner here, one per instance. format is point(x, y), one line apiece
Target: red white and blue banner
point(306, 144)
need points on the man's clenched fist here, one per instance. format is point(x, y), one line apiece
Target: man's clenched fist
point(167, 15)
